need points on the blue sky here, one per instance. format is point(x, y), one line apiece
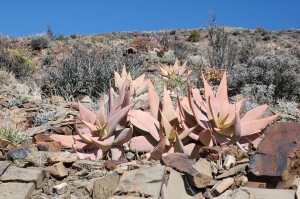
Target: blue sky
point(29, 17)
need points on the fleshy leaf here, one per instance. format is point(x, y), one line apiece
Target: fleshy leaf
point(100, 116)
point(124, 136)
point(86, 114)
point(84, 137)
point(118, 80)
point(237, 129)
point(94, 154)
point(178, 146)
point(167, 108)
point(116, 152)
point(255, 113)
point(205, 138)
point(153, 100)
point(105, 144)
point(157, 152)
point(141, 144)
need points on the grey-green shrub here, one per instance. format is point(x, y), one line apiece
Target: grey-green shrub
point(40, 41)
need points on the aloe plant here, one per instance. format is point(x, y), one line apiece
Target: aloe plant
point(168, 71)
point(219, 120)
point(103, 132)
point(137, 86)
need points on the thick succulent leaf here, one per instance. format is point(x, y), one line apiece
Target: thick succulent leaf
point(100, 115)
point(116, 152)
point(237, 129)
point(145, 122)
point(124, 73)
point(253, 126)
point(139, 88)
point(209, 94)
point(153, 100)
point(84, 137)
point(220, 139)
point(189, 72)
point(129, 78)
point(200, 117)
point(110, 99)
point(178, 146)
point(222, 97)
point(205, 138)
point(165, 70)
point(95, 154)
point(86, 114)
point(122, 124)
point(141, 144)
point(117, 105)
point(157, 152)
point(167, 108)
point(192, 150)
point(186, 132)
point(70, 141)
point(176, 67)
point(138, 81)
point(104, 145)
point(114, 121)
point(255, 113)
point(166, 125)
point(118, 80)
point(123, 136)
point(198, 100)
point(95, 129)
point(231, 110)
point(228, 130)
point(212, 112)
point(182, 69)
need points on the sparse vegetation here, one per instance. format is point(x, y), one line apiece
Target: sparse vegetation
point(195, 36)
point(40, 41)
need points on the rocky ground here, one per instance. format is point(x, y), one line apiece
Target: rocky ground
point(32, 165)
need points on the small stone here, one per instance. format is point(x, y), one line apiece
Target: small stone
point(61, 188)
point(13, 190)
point(246, 193)
point(36, 130)
point(225, 184)
point(3, 166)
point(13, 173)
point(57, 170)
point(112, 164)
point(53, 146)
point(129, 156)
point(104, 187)
point(232, 171)
point(229, 162)
point(226, 195)
point(295, 183)
point(256, 185)
point(200, 173)
point(64, 157)
point(21, 152)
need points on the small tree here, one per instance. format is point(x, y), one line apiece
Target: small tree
point(194, 36)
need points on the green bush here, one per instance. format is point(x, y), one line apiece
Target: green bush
point(194, 36)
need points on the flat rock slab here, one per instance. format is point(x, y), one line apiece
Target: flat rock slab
point(14, 190)
point(176, 187)
point(15, 174)
point(146, 180)
point(105, 187)
point(3, 167)
point(277, 155)
point(177, 161)
point(249, 193)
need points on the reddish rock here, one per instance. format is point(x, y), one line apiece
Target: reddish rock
point(256, 185)
point(53, 146)
point(27, 105)
point(63, 130)
point(112, 164)
point(43, 137)
point(57, 170)
point(277, 158)
point(177, 161)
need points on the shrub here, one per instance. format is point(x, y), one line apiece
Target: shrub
point(48, 59)
point(280, 69)
point(43, 117)
point(40, 41)
point(17, 62)
point(12, 132)
point(194, 36)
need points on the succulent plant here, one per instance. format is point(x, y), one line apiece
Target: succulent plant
point(220, 121)
point(177, 70)
point(137, 86)
point(103, 132)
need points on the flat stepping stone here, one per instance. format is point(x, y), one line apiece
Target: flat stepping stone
point(13, 190)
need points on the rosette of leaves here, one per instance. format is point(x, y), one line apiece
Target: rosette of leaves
point(168, 72)
point(219, 121)
point(160, 131)
point(137, 86)
point(103, 132)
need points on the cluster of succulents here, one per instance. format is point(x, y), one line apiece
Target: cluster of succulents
point(197, 121)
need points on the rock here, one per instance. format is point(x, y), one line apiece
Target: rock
point(225, 184)
point(20, 152)
point(63, 130)
point(200, 173)
point(64, 157)
point(229, 162)
point(164, 192)
point(89, 163)
point(277, 156)
point(129, 156)
point(112, 164)
point(43, 137)
point(234, 170)
point(53, 146)
point(120, 169)
point(85, 99)
point(256, 185)
point(294, 185)
point(104, 187)
point(249, 193)
point(3, 166)
point(61, 188)
point(226, 195)
point(298, 192)
point(176, 187)
point(15, 174)
point(13, 190)
point(177, 161)
point(145, 180)
point(199, 196)
point(57, 170)
point(36, 130)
